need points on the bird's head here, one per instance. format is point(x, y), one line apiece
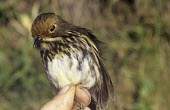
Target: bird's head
point(46, 27)
point(49, 30)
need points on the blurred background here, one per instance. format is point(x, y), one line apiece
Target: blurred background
point(136, 52)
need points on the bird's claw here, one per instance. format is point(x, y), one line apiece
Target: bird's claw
point(80, 105)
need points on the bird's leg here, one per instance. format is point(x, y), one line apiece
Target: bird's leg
point(80, 106)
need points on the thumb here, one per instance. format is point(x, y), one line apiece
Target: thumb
point(63, 101)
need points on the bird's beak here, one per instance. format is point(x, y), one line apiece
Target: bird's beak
point(37, 42)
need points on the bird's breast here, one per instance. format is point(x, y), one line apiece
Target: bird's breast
point(75, 68)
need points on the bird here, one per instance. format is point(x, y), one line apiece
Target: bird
point(71, 56)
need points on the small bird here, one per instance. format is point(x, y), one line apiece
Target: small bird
point(71, 56)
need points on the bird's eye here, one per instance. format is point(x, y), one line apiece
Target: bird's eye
point(52, 28)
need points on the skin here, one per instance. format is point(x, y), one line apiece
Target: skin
point(65, 99)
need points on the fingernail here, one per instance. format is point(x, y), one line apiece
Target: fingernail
point(64, 90)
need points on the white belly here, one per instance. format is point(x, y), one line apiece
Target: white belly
point(65, 70)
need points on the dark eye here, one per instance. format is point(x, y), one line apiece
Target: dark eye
point(52, 28)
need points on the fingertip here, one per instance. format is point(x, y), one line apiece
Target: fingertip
point(64, 90)
point(65, 100)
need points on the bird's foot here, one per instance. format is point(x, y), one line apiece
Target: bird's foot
point(79, 105)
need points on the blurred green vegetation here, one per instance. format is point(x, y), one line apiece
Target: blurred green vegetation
point(137, 50)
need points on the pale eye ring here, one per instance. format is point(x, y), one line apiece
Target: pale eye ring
point(52, 28)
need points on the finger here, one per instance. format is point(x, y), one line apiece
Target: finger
point(64, 90)
point(64, 101)
point(83, 95)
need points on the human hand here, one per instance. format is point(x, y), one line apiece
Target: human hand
point(65, 99)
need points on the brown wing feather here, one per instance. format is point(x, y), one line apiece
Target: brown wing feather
point(107, 86)
point(107, 79)
point(101, 96)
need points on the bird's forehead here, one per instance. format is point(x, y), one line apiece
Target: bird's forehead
point(41, 25)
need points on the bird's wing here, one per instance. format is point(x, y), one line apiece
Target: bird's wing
point(106, 88)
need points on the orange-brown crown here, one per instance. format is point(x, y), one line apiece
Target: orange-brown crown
point(44, 25)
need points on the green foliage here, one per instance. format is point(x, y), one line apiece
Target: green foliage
point(137, 52)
